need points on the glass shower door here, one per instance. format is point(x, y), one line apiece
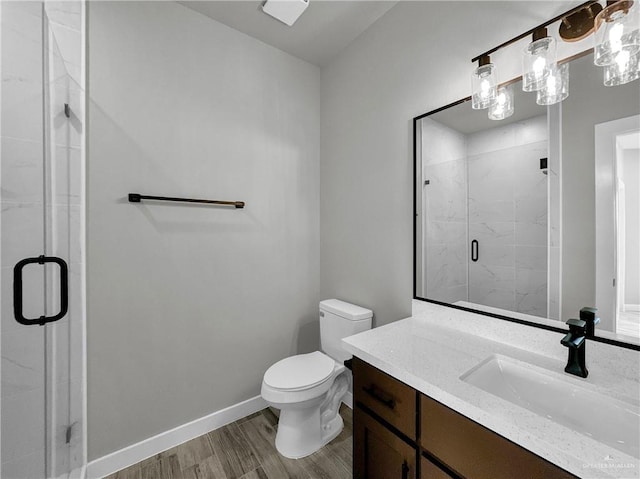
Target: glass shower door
point(42, 326)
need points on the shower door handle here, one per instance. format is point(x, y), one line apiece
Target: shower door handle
point(17, 290)
point(475, 250)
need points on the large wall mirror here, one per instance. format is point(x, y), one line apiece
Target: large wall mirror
point(535, 216)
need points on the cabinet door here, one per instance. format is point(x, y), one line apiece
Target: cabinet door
point(378, 453)
point(428, 470)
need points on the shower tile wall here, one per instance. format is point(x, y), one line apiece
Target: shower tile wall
point(445, 207)
point(508, 217)
point(22, 229)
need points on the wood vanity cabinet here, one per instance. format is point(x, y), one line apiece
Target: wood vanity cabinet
point(380, 454)
point(401, 433)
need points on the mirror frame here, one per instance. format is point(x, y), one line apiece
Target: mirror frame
point(559, 329)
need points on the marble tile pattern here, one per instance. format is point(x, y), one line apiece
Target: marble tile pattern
point(445, 212)
point(22, 201)
point(486, 186)
point(508, 217)
point(41, 184)
point(432, 349)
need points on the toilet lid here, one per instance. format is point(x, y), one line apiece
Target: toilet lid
point(300, 372)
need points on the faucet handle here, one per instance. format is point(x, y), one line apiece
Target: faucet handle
point(577, 326)
point(590, 315)
point(576, 335)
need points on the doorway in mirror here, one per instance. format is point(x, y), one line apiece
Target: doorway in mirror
point(618, 255)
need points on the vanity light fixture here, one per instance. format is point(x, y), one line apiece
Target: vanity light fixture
point(502, 107)
point(483, 84)
point(539, 57)
point(625, 69)
point(556, 86)
point(617, 33)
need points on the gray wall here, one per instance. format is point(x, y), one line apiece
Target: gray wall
point(189, 305)
point(412, 60)
point(589, 103)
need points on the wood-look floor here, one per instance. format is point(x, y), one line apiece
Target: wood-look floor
point(246, 449)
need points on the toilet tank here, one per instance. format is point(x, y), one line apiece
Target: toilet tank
point(339, 320)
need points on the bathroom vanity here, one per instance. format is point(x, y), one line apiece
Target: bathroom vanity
point(396, 427)
point(449, 393)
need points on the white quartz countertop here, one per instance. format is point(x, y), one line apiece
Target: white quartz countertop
point(435, 346)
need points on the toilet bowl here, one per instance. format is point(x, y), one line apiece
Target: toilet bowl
point(309, 388)
point(309, 416)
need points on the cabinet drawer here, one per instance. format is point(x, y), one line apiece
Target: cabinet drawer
point(387, 397)
point(475, 452)
point(378, 453)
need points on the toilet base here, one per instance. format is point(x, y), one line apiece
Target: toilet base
point(300, 433)
point(332, 429)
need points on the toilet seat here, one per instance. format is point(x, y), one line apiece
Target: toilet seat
point(300, 372)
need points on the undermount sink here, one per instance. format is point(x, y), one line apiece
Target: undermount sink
point(607, 420)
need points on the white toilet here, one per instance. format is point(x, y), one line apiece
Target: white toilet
point(308, 388)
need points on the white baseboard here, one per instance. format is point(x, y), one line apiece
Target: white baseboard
point(348, 399)
point(632, 307)
point(154, 445)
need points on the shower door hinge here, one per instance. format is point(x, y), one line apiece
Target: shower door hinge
point(614, 282)
point(68, 433)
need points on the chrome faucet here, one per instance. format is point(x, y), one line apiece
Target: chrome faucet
point(575, 340)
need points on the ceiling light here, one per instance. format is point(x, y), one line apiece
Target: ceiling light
point(503, 106)
point(617, 30)
point(483, 84)
point(537, 60)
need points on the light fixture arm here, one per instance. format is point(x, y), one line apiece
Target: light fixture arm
point(537, 28)
point(540, 33)
point(484, 60)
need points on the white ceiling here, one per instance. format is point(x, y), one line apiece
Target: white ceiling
point(323, 30)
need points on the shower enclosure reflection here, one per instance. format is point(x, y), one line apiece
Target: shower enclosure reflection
point(485, 196)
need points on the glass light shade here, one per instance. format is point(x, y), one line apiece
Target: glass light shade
point(537, 61)
point(484, 86)
point(556, 87)
point(625, 69)
point(503, 106)
point(617, 29)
